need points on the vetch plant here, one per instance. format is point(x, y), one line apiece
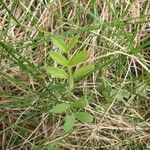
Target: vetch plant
point(70, 72)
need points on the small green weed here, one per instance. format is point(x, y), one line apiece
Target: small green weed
point(69, 63)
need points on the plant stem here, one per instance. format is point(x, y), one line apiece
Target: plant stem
point(70, 83)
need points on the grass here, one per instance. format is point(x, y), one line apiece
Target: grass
point(115, 33)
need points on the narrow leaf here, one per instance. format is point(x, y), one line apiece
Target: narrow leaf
point(69, 123)
point(84, 116)
point(72, 42)
point(60, 108)
point(58, 42)
point(83, 71)
point(59, 73)
point(79, 104)
point(59, 58)
point(78, 58)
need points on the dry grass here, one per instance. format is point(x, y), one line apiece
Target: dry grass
point(116, 33)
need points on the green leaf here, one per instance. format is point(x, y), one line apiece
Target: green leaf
point(78, 58)
point(58, 42)
point(79, 104)
point(72, 43)
point(123, 94)
point(59, 73)
point(60, 108)
point(59, 58)
point(84, 116)
point(69, 123)
point(83, 71)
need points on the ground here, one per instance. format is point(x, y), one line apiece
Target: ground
point(116, 35)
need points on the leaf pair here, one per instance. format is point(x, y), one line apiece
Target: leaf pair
point(60, 59)
point(63, 107)
point(70, 120)
point(69, 63)
point(58, 42)
point(81, 116)
point(60, 73)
